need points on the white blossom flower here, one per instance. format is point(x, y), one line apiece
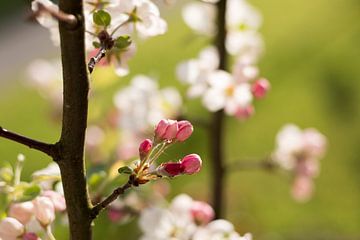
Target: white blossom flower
point(46, 20)
point(142, 104)
point(240, 15)
point(178, 221)
point(46, 76)
point(225, 93)
point(219, 230)
point(197, 71)
point(200, 17)
point(245, 44)
point(294, 144)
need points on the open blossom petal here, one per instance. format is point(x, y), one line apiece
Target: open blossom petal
point(245, 43)
point(22, 211)
point(194, 15)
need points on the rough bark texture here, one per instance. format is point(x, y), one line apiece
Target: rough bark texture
point(76, 88)
point(217, 141)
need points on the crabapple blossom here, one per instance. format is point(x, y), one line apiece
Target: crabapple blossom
point(191, 163)
point(57, 199)
point(202, 212)
point(11, 229)
point(225, 93)
point(142, 104)
point(260, 88)
point(22, 211)
point(44, 210)
point(185, 130)
point(46, 20)
point(180, 220)
point(145, 147)
point(196, 71)
point(166, 129)
point(194, 14)
point(299, 151)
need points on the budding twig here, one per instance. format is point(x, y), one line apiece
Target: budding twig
point(94, 60)
point(57, 14)
point(49, 149)
point(107, 201)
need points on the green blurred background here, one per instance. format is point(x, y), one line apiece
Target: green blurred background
point(313, 62)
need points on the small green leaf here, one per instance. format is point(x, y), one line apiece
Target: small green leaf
point(102, 18)
point(96, 44)
point(123, 42)
point(125, 170)
point(26, 192)
point(6, 174)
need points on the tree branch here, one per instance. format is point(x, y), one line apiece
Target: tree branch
point(49, 149)
point(61, 16)
point(75, 109)
point(107, 201)
point(216, 130)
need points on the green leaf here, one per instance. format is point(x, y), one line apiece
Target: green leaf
point(6, 174)
point(26, 192)
point(123, 42)
point(102, 18)
point(125, 170)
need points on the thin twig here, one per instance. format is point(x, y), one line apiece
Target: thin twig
point(70, 19)
point(49, 149)
point(107, 201)
point(94, 60)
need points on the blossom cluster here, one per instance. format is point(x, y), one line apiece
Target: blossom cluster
point(185, 219)
point(167, 132)
point(32, 206)
point(233, 92)
point(299, 151)
point(109, 25)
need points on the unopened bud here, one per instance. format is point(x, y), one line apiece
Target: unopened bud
point(57, 199)
point(10, 228)
point(44, 210)
point(22, 211)
point(30, 236)
point(166, 129)
point(191, 163)
point(202, 212)
point(171, 169)
point(145, 147)
point(185, 130)
point(245, 112)
point(260, 88)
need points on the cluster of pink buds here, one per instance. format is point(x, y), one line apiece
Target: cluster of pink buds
point(172, 130)
point(167, 132)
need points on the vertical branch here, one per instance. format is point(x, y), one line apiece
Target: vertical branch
point(76, 88)
point(217, 138)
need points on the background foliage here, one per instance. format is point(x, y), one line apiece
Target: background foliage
point(312, 61)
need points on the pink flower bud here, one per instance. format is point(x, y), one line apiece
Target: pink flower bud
point(10, 228)
point(185, 130)
point(22, 211)
point(171, 169)
point(57, 199)
point(191, 163)
point(260, 88)
point(161, 127)
point(243, 113)
point(202, 212)
point(44, 210)
point(166, 129)
point(145, 147)
point(30, 236)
